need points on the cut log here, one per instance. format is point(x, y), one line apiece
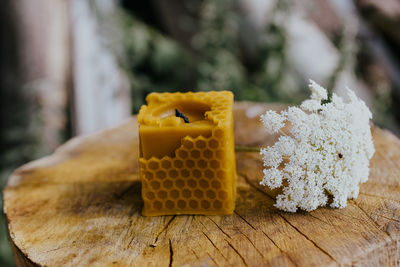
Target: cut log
point(82, 206)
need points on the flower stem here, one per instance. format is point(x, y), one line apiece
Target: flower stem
point(282, 132)
point(247, 149)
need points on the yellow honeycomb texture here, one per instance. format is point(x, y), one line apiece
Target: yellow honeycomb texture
point(201, 176)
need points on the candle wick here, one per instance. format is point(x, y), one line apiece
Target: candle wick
point(181, 115)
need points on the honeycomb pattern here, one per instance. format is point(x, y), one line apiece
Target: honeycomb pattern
point(200, 177)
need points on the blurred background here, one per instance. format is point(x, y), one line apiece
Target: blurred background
point(73, 67)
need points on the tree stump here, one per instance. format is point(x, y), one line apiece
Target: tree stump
point(82, 206)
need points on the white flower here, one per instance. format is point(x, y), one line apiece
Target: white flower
point(317, 91)
point(273, 178)
point(271, 157)
point(285, 145)
point(272, 121)
point(311, 105)
point(328, 151)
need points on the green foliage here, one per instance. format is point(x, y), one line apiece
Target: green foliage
point(218, 58)
point(153, 62)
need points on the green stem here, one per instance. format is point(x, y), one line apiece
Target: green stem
point(247, 149)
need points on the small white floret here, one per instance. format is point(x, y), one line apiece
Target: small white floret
point(317, 91)
point(272, 121)
point(273, 178)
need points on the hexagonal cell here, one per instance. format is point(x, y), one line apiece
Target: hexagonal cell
point(181, 204)
point(155, 185)
point(167, 184)
point(214, 164)
point(186, 193)
point(215, 184)
point(189, 163)
point(187, 143)
point(162, 194)
point(185, 173)
point(201, 143)
point(213, 143)
point(191, 183)
point(222, 195)
point(203, 183)
point(217, 204)
point(150, 195)
point(169, 204)
point(157, 205)
point(178, 163)
point(174, 194)
point(148, 175)
point(193, 204)
point(218, 133)
point(198, 193)
point(205, 204)
point(183, 154)
point(180, 183)
point(166, 163)
point(161, 174)
point(209, 173)
point(211, 194)
point(195, 154)
point(153, 164)
point(173, 173)
point(207, 153)
point(221, 174)
point(196, 173)
point(202, 163)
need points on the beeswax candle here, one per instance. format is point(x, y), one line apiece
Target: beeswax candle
point(187, 167)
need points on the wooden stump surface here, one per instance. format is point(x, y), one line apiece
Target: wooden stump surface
point(81, 206)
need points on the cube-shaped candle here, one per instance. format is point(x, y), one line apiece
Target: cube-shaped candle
point(187, 156)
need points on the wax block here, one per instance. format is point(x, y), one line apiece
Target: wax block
point(187, 167)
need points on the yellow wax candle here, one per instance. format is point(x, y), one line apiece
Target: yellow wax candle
point(187, 167)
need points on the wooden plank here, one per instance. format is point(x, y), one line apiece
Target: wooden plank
point(82, 206)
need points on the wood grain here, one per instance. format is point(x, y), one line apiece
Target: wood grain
point(81, 206)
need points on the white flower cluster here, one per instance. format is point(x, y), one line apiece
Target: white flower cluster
point(326, 153)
